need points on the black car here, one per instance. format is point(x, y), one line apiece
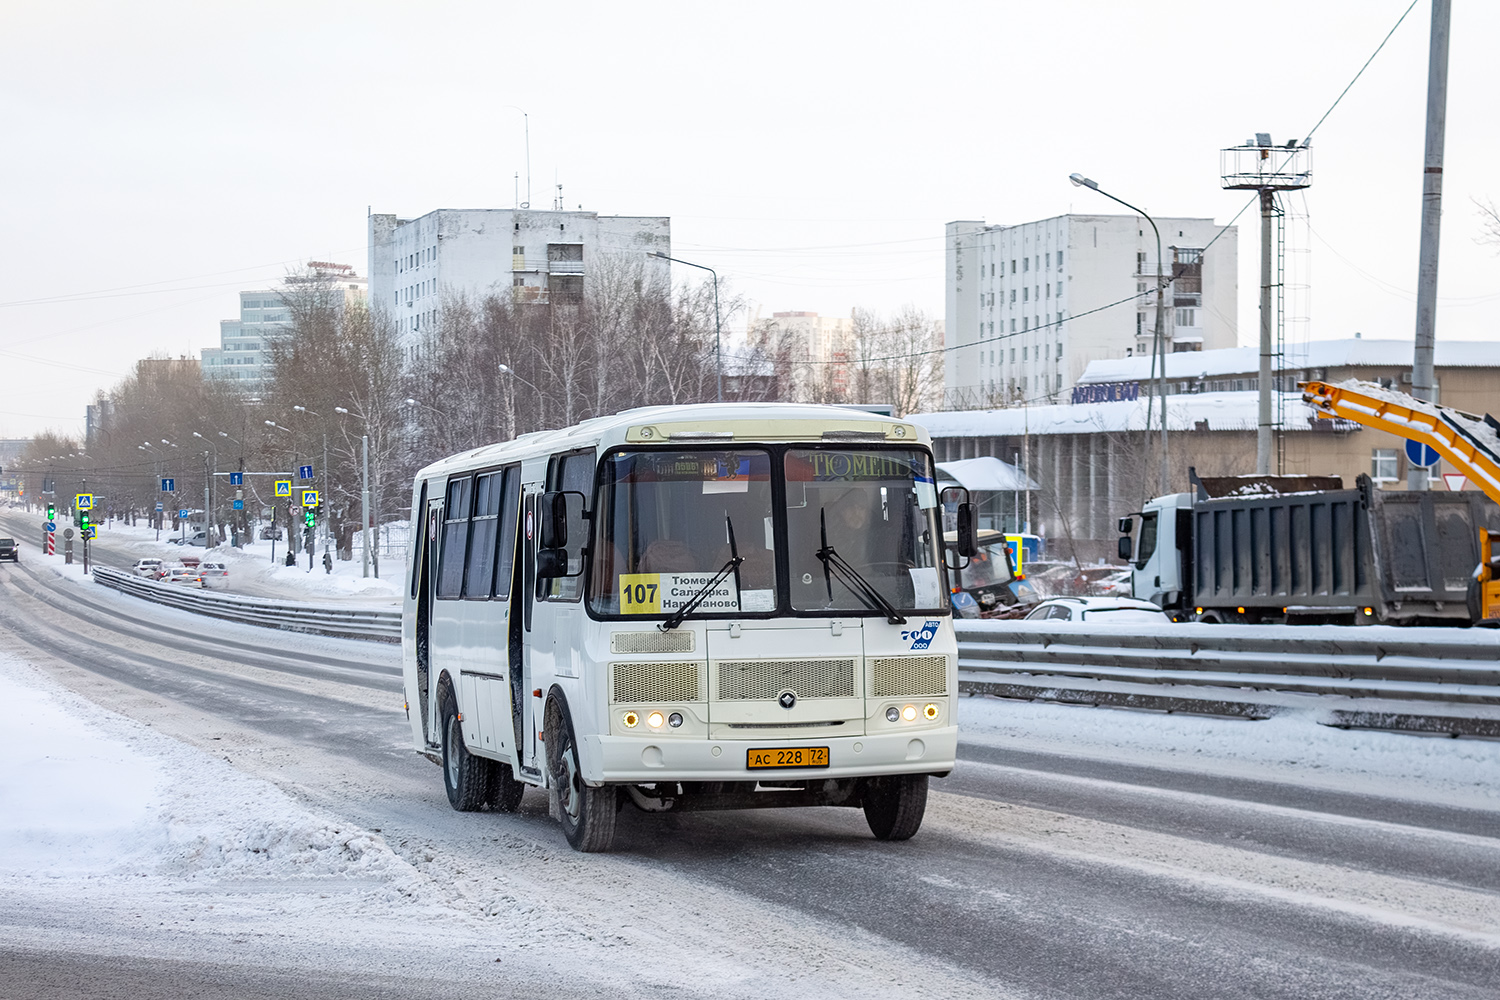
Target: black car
point(10, 550)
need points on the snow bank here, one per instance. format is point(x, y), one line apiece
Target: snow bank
point(251, 570)
point(84, 792)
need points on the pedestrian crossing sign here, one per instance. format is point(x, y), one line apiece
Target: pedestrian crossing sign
point(283, 487)
point(309, 498)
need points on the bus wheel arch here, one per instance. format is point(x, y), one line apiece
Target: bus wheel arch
point(586, 812)
point(467, 779)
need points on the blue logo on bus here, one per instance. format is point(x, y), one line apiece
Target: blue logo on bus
point(922, 637)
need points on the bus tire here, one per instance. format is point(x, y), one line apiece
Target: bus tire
point(895, 804)
point(505, 791)
point(466, 777)
point(587, 813)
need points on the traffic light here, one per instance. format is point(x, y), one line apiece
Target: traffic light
point(309, 518)
point(83, 521)
point(51, 511)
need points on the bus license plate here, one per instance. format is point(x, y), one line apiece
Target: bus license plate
point(787, 757)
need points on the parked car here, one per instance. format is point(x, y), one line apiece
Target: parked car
point(151, 569)
point(271, 531)
point(181, 574)
point(214, 574)
point(10, 550)
point(198, 538)
point(1100, 611)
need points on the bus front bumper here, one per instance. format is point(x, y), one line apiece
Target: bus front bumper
point(645, 760)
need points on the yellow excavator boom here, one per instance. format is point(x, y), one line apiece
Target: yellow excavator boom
point(1470, 443)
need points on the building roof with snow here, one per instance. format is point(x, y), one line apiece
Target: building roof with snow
point(1353, 352)
point(1212, 411)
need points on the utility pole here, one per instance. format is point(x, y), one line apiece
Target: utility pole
point(1422, 376)
point(207, 479)
point(364, 502)
point(1264, 423)
point(1259, 166)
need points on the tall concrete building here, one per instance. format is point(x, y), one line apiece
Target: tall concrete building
point(243, 355)
point(810, 352)
point(1020, 319)
point(536, 256)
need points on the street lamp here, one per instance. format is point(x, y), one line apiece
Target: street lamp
point(507, 370)
point(1158, 345)
point(718, 353)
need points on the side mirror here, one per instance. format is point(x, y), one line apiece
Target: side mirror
point(1126, 524)
point(1123, 548)
point(553, 515)
point(968, 529)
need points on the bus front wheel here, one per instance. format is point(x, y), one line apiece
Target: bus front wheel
point(587, 812)
point(894, 805)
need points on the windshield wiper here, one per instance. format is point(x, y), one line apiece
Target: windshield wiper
point(732, 566)
point(835, 565)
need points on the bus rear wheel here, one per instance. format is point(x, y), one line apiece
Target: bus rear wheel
point(466, 778)
point(895, 804)
point(587, 812)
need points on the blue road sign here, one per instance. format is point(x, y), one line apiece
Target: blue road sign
point(304, 472)
point(168, 485)
point(184, 512)
point(1418, 453)
point(236, 479)
point(160, 507)
point(51, 525)
point(239, 505)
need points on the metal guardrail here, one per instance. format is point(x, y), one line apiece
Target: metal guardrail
point(296, 616)
point(1427, 680)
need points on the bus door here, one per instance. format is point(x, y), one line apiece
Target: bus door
point(425, 573)
point(525, 708)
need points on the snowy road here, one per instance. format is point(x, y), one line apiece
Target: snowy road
point(262, 827)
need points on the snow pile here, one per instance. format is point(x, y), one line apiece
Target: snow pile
point(86, 792)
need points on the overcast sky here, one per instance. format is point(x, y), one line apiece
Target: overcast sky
point(161, 156)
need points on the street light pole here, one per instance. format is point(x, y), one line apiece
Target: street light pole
point(718, 340)
point(1158, 344)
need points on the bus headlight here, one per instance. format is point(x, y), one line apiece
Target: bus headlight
point(931, 712)
point(630, 720)
point(909, 713)
point(675, 720)
point(893, 714)
point(654, 720)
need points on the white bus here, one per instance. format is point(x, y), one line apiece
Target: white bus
point(687, 607)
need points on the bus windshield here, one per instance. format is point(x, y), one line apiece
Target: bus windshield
point(862, 527)
point(874, 511)
point(667, 523)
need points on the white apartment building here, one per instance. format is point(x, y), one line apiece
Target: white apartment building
point(538, 256)
point(1020, 319)
point(243, 355)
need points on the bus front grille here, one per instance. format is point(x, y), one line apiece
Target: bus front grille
point(654, 641)
point(742, 680)
point(907, 676)
point(636, 683)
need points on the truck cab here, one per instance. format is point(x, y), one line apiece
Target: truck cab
point(1158, 551)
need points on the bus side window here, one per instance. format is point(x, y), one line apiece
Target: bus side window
point(572, 473)
point(479, 573)
point(419, 551)
point(505, 544)
point(455, 538)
